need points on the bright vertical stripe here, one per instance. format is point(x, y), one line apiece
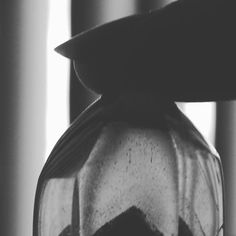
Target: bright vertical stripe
point(202, 114)
point(57, 119)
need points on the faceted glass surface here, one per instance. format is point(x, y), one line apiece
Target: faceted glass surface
point(131, 166)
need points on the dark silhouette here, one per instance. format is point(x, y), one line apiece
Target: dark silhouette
point(188, 44)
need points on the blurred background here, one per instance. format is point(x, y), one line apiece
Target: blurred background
point(40, 97)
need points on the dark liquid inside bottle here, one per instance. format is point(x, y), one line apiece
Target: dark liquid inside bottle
point(133, 222)
point(130, 222)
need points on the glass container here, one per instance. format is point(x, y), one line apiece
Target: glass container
point(131, 164)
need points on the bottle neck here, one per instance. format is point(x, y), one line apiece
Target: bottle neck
point(139, 106)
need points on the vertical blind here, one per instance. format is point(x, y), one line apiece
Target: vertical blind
point(23, 28)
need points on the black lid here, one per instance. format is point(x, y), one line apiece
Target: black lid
point(184, 52)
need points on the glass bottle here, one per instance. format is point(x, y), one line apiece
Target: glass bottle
point(131, 165)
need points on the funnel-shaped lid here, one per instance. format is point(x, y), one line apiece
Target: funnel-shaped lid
point(184, 52)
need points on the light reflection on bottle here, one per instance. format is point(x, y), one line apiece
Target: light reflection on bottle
point(153, 164)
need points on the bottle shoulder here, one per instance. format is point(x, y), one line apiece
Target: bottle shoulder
point(111, 121)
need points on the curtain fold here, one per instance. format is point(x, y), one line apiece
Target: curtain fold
point(226, 146)
point(23, 29)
